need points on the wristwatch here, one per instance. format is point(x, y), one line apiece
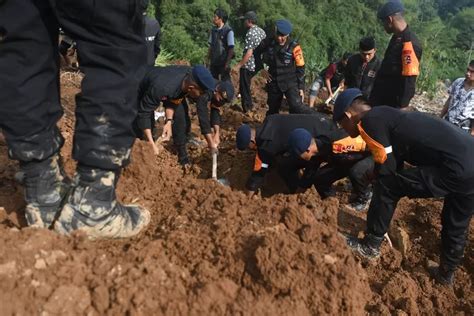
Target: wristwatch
point(169, 120)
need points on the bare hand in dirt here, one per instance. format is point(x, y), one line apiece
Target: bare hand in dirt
point(167, 132)
point(156, 150)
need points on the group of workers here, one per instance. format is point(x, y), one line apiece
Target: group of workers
point(120, 94)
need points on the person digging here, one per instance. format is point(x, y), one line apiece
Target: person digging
point(441, 155)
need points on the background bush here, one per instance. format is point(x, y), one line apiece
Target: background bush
point(326, 29)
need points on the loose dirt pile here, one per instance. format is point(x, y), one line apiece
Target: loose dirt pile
point(211, 249)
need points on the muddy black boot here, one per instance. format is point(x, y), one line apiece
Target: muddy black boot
point(360, 202)
point(368, 247)
point(92, 207)
point(442, 274)
point(183, 158)
point(45, 190)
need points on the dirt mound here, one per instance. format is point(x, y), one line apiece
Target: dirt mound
point(216, 250)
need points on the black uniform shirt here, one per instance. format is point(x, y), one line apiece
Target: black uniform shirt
point(152, 39)
point(391, 86)
point(272, 136)
point(161, 84)
point(394, 136)
point(361, 75)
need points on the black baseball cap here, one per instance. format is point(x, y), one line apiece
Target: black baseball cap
point(250, 15)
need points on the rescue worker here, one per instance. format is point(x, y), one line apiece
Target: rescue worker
point(221, 46)
point(112, 53)
point(251, 61)
point(152, 36)
point(285, 61)
point(343, 157)
point(271, 140)
point(209, 112)
point(331, 77)
point(441, 155)
point(362, 68)
point(396, 79)
point(171, 85)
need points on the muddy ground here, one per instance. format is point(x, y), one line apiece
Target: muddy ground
point(214, 250)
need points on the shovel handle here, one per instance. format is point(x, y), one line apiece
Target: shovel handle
point(214, 166)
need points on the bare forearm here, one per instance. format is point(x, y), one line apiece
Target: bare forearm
point(246, 57)
point(445, 108)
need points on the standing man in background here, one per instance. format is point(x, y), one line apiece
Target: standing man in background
point(250, 65)
point(221, 46)
point(396, 80)
point(152, 36)
point(459, 108)
point(286, 70)
point(362, 68)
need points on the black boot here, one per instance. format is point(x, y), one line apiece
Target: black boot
point(368, 247)
point(183, 158)
point(360, 202)
point(443, 274)
point(45, 190)
point(92, 207)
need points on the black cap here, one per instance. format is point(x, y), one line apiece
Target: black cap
point(243, 136)
point(390, 8)
point(203, 78)
point(346, 55)
point(343, 101)
point(250, 15)
point(367, 43)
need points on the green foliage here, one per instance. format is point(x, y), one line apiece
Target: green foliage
point(327, 29)
point(164, 58)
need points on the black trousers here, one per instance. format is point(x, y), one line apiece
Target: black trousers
point(359, 173)
point(219, 72)
point(423, 183)
point(275, 96)
point(181, 124)
point(245, 81)
point(111, 50)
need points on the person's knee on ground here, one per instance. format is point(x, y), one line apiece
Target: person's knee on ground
point(92, 207)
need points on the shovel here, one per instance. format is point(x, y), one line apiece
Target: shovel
point(222, 181)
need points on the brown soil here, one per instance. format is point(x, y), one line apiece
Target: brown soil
point(213, 250)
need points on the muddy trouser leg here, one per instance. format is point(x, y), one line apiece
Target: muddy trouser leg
point(274, 98)
point(110, 46)
point(30, 106)
point(113, 63)
point(245, 91)
point(360, 174)
point(387, 192)
point(294, 101)
point(29, 94)
point(179, 132)
point(455, 219)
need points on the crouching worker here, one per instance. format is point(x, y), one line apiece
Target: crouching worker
point(442, 156)
point(344, 157)
point(209, 112)
point(171, 85)
point(271, 140)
